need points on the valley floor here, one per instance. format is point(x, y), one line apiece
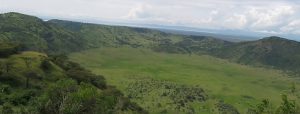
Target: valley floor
point(177, 83)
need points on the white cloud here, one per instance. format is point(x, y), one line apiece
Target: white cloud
point(140, 11)
point(274, 16)
point(269, 17)
point(292, 27)
point(237, 21)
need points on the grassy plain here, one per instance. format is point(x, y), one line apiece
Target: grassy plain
point(147, 74)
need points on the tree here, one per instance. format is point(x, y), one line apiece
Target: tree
point(293, 88)
point(8, 49)
point(8, 65)
point(28, 61)
point(29, 75)
point(46, 64)
point(81, 75)
point(7, 109)
point(59, 60)
point(67, 97)
point(287, 106)
point(262, 108)
point(1, 68)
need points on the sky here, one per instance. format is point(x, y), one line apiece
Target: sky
point(272, 17)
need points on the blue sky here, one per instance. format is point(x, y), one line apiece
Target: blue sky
point(272, 17)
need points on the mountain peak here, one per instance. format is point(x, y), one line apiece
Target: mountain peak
point(14, 14)
point(277, 39)
point(18, 16)
point(273, 38)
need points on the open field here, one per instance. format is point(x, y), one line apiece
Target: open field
point(177, 83)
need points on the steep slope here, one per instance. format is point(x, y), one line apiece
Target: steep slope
point(33, 83)
point(115, 36)
point(271, 51)
point(103, 35)
point(57, 36)
point(35, 34)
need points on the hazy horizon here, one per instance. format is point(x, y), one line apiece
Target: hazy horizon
point(249, 18)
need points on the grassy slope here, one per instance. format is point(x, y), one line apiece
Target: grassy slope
point(19, 66)
point(238, 85)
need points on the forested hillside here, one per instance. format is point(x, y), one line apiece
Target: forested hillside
point(66, 36)
point(35, 34)
point(35, 83)
point(274, 52)
point(115, 36)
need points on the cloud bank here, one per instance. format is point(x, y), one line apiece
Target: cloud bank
point(264, 16)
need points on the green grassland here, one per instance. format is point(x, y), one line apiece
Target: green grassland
point(161, 82)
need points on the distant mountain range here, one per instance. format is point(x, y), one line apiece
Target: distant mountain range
point(58, 36)
point(231, 38)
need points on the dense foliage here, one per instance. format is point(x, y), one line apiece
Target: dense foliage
point(7, 49)
point(33, 83)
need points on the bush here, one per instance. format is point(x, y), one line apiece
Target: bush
point(46, 65)
point(287, 106)
point(224, 108)
point(262, 108)
point(87, 77)
point(7, 109)
point(10, 79)
point(98, 81)
point(66, 97)
point(21, 97)
point(8, 49)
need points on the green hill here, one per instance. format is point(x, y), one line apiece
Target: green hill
point(274, 52)
point(116, 36)
point(57, 36)
point(34, 83)
point(37, 35)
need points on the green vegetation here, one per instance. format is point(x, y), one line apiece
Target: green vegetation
point(7, 49)
point(34, 34)
point(150, 79)
point(161, 72)
point(33, 83)
point(57, 36)
point(273, 52)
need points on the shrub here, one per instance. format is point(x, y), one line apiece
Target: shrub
point(22, 97)
point(87, 77)
point(287, 106)
point(7, 109)
point(67, 97)
point(46, 65)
